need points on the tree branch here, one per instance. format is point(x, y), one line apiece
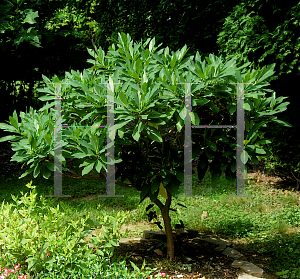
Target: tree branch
point(159, 204)
point(168, 201)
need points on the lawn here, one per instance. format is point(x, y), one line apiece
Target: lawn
point(269, 222)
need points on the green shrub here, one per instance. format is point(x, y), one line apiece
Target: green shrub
point(35, 235)
point(285, 158)
point(287, 258)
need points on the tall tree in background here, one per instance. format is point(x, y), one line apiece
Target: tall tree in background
point(263, 32)
point(51, 37)
point(32, 48)
point(266, 32)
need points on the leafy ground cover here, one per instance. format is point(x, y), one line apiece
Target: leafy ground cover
point(265, 226)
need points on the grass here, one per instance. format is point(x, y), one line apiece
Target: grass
point(269, 221)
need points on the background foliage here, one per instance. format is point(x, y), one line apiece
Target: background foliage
point(51, 37)
point(264, 33)
point(59, 32)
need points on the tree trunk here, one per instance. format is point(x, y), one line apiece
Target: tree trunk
point(170, 237)
point(165, 210)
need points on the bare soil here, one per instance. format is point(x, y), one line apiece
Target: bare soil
point(194, 258)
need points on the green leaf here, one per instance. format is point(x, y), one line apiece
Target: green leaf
point(179, 125)
point(88, 116)
point(46, 172)
point(85, 144)
point(173, 186)
point(144, 192)
point(167, 75)
point(166, 180)
point(123, 39)
point(137, 130)
point(155, 114)
point(99, 252)
point(260, 151)
point(155, 185)
point(131, 51)
point(212, 146)
point(246, 157)
point(151, 45)
point(122, 97)
point(233, 166)
point(47, 98)
point(213, 107)
point(208, 153)
point(166, 51)
point(80, 155)
point(114, 243)
point(265, 72)
point(87, 169)
point(8, 128)
point(247, 107)
point(30, 17)
point(283, 123)
point(20, 158)
point(195, 119)
point(36, 125)
point(99, 166)
point(48, 139)
point(153, 196)
point(94, 141)
point(50, 165)
point(145, 79)
point(26, 172)
point(153, 134)
point(36, 170)
point(156, 57)
point(263, 141)
point(227, 153)
point(11, 138)
point(138, 66)
point(232, 109)
point(31, 261)
point(13, 122)
point(121, 124)
point(182, 113)
point(180, 176)
point(15, 116)
point(149, 95)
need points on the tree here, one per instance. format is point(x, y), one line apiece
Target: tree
point(51, 37)
point(263, 33)
point(149, 119)
point(34, 47)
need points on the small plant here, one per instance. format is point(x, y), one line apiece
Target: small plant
point(292, 273)
point(30, 234)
